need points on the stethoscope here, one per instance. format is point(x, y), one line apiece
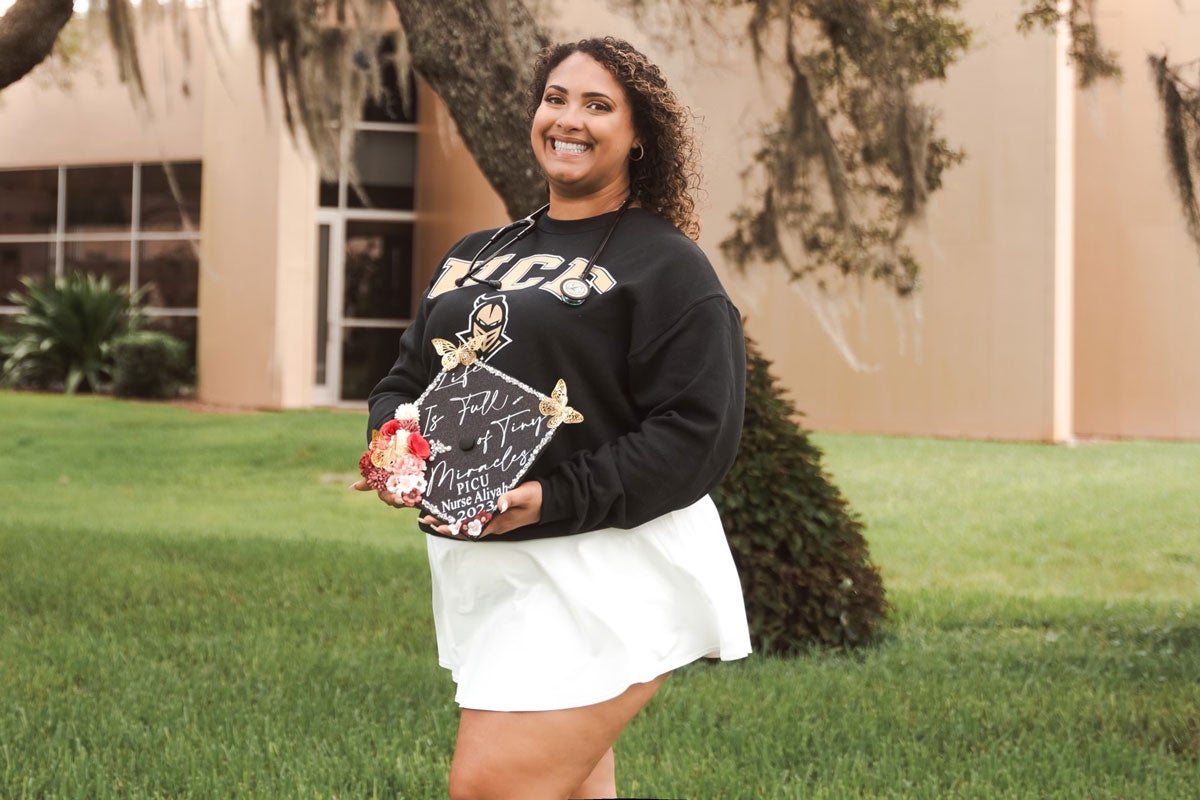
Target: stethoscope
point(574, 290)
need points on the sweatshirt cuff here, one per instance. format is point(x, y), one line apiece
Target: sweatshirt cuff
point(556, 500)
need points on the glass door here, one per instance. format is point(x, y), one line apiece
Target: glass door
point(364, 287)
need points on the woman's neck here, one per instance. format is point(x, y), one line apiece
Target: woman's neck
point(591, 205)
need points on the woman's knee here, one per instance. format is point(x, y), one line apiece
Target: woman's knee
point(467, 783)
point(472, 780)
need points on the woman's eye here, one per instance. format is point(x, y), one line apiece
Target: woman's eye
point(596, 105)
point(553, 99)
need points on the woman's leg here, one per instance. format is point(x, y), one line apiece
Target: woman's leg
point(602, 782)
point(538, 755)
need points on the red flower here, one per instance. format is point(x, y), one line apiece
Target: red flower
point(377, 478)
point(364, 464)
point(418, 446)
point(389, 427)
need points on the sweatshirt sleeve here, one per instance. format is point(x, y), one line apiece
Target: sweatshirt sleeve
point(688, 386)
point(407, 378)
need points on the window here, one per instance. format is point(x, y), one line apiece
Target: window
point(99, 199)
point(28, 201)
point(28, 259)
point(170, 197)
point(136, 223)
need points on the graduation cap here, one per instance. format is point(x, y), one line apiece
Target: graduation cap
point(485, 429)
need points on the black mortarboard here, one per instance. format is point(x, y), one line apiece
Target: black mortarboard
point(485, 429)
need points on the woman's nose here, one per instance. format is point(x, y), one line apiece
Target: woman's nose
point(569, 118)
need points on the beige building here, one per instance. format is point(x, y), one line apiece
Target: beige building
point(1059, 282)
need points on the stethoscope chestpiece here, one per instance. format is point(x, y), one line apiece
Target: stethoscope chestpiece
point(575, 291)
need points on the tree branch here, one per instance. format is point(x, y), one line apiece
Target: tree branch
point(27, 35)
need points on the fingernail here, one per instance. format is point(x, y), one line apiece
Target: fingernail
point(503, 504)
point(352, 486)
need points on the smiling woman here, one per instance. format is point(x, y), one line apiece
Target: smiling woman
point(662, 165)
point(607, 568)
point(583, 137)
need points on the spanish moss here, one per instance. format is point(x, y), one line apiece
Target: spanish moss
point(851, 158)
point(1180, 102)
point(326, 58)
point(1092, 59)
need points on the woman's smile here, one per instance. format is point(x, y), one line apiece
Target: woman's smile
point(562, 146)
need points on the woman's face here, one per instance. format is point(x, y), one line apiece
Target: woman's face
point(583, 129)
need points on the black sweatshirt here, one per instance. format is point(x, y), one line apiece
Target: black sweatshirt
point(654, 360)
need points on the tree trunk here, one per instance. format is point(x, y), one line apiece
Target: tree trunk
point(27, 35)
point(478, 57)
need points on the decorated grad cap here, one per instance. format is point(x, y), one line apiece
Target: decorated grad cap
point(485, 429)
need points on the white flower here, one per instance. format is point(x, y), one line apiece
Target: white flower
point(403, 484)
point(455, 527)
point(474, 528)
point(407, 411)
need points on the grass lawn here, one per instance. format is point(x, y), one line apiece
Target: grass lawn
point(193, 605)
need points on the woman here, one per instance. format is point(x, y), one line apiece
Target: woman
point(607, 567)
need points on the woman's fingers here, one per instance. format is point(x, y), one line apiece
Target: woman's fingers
point(361, 485)
point(437, 525)
point(393, 500)
point(517, 508)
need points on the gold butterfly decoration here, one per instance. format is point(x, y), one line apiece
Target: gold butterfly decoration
point(555, 407)
point(386, 456)
point(455, 354)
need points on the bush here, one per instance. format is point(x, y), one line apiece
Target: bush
point(64, 332)
point(803, 561)
point(149, 364)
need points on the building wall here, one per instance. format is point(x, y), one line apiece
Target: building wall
point(1137, 273)
point(96, 120)
point(258, 285)
point(971, 355)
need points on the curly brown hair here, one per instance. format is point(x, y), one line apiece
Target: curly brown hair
point(666, 178)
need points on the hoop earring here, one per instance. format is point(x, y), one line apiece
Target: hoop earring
point(641, 153)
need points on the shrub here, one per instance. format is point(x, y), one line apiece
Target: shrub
point(805, 569)
point(64, 332)
point(148, 364)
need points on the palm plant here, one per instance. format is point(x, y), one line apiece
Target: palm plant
point(65, 330)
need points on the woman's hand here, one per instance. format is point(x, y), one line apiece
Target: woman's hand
point(384, 495)
point(518, 507)
point(515, 509)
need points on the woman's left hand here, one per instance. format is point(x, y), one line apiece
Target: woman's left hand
point(515, 508)
point(518, 507)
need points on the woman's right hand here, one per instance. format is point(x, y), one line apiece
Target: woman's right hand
point(393, 500)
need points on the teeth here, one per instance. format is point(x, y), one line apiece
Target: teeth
point(569, 147)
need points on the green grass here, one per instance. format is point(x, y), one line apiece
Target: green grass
point(193, 605)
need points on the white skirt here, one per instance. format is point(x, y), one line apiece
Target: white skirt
point(574, 620)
